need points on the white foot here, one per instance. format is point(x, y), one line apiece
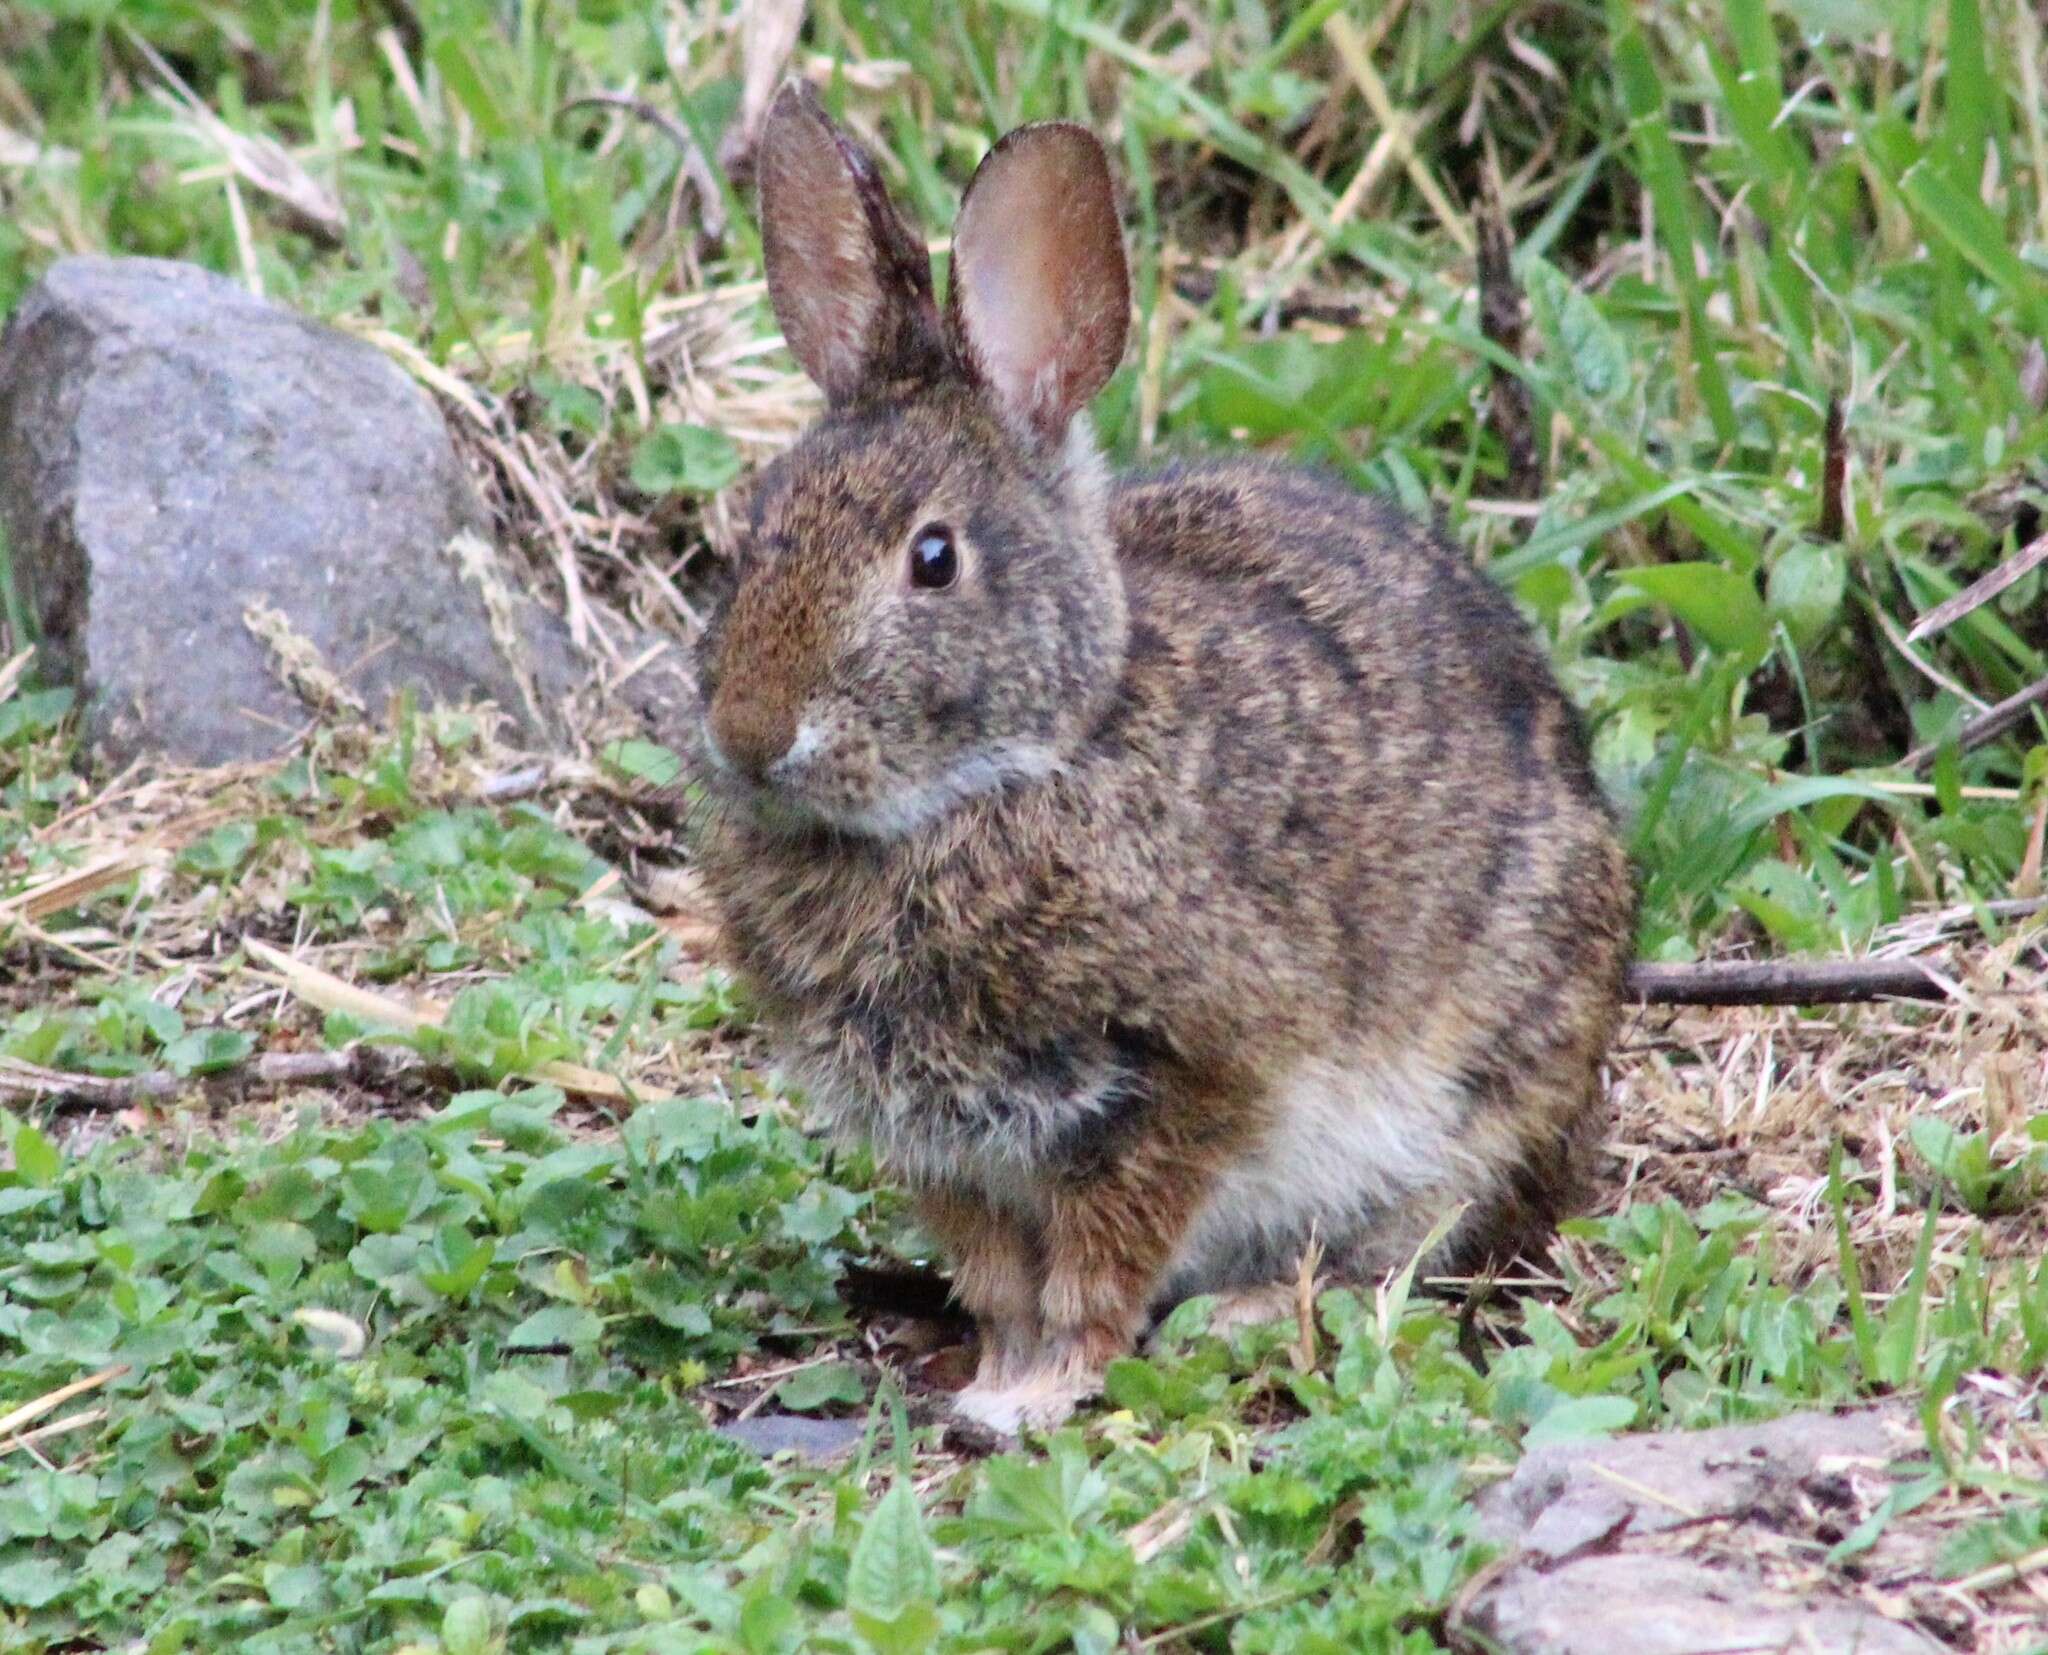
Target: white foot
point(1040, 1400)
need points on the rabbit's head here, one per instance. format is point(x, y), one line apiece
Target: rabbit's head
point(927, 604)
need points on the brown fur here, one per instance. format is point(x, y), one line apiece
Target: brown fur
point(1218, 859)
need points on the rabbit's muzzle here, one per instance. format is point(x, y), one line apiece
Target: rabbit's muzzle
point(748, 732)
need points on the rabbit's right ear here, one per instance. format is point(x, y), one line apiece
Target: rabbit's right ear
point(850, 282)
point(1040, 299)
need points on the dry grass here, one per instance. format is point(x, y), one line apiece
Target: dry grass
point(131, 912)
point(1749, 1101)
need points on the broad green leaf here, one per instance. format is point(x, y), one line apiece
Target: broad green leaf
point(768, 1621)
point(1805, 589)
point(1594, 351)
point(466, 1626)
point(25, 718)
point(207, 1051)
point(909, 1633)
point(35, 1157)
point(821, 1386)
point(1261, 390)
point(820, 1214)
point(1849, 21)
point(559, 1324)
point(893, 1581)
point(642, 761)
point(684, 459)
point(1717, 603)
point(294, 1586)
point(221, 852)
point(1580, 1417)
point(462, 1260)
point(282, 1248)
point(30, 1582)
point(1786, 902)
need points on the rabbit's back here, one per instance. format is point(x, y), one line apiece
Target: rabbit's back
point(1375, 738)
point(1407, 886)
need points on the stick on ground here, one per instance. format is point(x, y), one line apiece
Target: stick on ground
point(1986, 726)
point(361, 1065)
point(1783, 983)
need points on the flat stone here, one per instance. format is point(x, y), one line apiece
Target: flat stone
point(1660, 1544)
point(1675, 1606)
point(809, 1439)
point(174, 451)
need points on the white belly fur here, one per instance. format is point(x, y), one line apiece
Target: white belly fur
point(1351, 1144)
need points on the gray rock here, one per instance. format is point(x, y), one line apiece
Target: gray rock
point(1664, 1544)
point(818, 1440)
point(174, 450)
point(1676, 1606)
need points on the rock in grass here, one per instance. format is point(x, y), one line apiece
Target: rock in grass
point(818, 1440)
point(1682, 1542)
point(221, 515)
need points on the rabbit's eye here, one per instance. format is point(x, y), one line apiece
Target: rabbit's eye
point(934, 559)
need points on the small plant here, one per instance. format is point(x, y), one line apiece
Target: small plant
point(1966, 1167)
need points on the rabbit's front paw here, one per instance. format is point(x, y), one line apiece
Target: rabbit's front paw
point(1040, 1399)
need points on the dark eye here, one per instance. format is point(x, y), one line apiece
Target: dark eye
point(934, 559)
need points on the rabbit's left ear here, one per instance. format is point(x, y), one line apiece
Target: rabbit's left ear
point(1040, 302)
point(851, 283)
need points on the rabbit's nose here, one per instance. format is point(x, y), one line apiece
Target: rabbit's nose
point(751, 733)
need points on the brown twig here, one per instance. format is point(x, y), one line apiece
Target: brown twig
point(327, 992)
point(32, 1440)
point(1501, 316)
point(1987, 726)
point(1982, 591)
point(1916, 933)
point(1198, 287)
point(768, 34)
point(364, 1065)
point(1834, 475)
point(15, 1418)
point(1783, 983)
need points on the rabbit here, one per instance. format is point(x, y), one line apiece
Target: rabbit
point(1158, 870)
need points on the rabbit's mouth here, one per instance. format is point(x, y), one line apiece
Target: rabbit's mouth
point(815, 784)
point(916, 801)
point(811, 785)
point(904, 805)
point(761, 793)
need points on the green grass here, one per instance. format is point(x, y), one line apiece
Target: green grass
point(1727, 219)
point(515, 1447)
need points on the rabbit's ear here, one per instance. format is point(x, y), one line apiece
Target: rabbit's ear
point(850, 282)
point(1040, 300)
